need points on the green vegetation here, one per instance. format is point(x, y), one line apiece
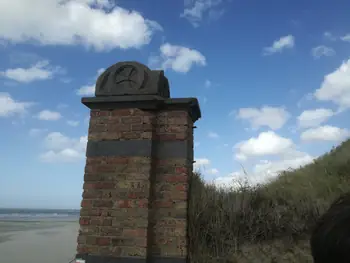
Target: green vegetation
point(267, 223)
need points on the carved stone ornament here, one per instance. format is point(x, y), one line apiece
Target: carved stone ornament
point(131, 78)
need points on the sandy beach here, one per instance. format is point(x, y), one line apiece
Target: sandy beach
point(38, 242)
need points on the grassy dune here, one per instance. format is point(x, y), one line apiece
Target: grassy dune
point(267, 223)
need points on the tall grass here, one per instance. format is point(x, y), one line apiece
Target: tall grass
point(266, 223)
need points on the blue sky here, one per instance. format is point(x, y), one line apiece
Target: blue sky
point(272, 78)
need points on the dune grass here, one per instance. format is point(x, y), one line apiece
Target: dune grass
point(266, 223)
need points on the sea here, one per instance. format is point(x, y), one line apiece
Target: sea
point(23, 214)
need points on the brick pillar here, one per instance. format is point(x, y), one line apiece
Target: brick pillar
point(139, 158)
point(174, 132)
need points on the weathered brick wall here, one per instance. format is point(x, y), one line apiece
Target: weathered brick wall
point(135, 205)
point(114, 213)
point(171, 181)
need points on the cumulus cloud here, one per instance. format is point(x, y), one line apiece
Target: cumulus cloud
point(346, 38)
point(73, 123)
point(328, 35)
point(312, 118)
point(285, 42)
point(39, 71)
point(86, 90)
point(266, 143)
point(36, 131)
point(200, 163)
point(213, 135)
point(207, 83)
point(178, 58)
point(89, 90)
point(213, 171)
point(264, 170)
point(61, 148)
point(92, 23)
point(195, 10)
point(325, 133)
point(336, 86)
point(47, 115)
point(10, 106)
point(272, 117)
point(320, 51)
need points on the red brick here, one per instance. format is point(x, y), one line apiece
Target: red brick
point(181, 136)
point(83, 249)
point(131, 120)
point(163, 204)
point(86, 203)
point(118, 160)
point(142, 127)
point(119, 128)
point(166, 137)
point(106, 168)
point(84, 221)
point(181, 170)
point(81, 239)
point(181, 187)
point(122, 112)
point(103, 241)
point(176, 178)
point(103, 203)
point(98, 113)
point(131, 135)
point(138, 232)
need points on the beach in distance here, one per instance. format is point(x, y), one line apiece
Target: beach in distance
point(38, 235)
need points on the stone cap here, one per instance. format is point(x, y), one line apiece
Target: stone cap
point(131, 78)
point(144, 102)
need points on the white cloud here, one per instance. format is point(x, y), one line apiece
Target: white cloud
point(325, 133)
point(267, 143)
point(212, 171)
point(74, 22)
point(346, 38)
point(272, 117)
point(36, 132)
point(195, 10)
point(312, 118)
point(87, 120)
point(307, 97)
point(89, 90)
point(336, 86)
point(200, 162)
point(9, 106)
point(47, 115)
point(328, 35)
point(63, 149)
point(320, 51)
point(264, 171)
point(73, 123)
point(99, 72)
point(20, 57)
point(213, 135)
point(39, 71)
point(207, 83)
point(62, 106)
point(178, 58)
point(285, 42)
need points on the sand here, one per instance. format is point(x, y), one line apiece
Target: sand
point(38, 242)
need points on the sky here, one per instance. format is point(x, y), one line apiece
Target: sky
point(272, 79)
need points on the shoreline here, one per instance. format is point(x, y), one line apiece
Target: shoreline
point(38, 241)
